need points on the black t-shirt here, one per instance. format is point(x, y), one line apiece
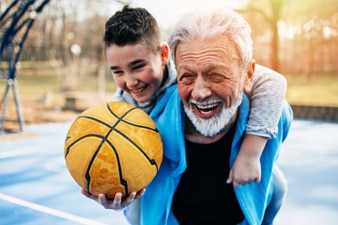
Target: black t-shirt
point(203, 196)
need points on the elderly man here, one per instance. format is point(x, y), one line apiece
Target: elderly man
point(202, 126)
point(213, 56)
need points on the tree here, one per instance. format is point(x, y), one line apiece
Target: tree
point(270, 11)
point(313, 29)
point(302, 31)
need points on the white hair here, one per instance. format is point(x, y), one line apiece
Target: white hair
point(207, 24)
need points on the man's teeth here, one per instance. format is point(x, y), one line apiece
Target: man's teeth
point(206, 108)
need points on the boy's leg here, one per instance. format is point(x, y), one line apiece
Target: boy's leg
point(279, 192)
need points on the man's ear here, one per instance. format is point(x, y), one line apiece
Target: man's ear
point(249, 76)
point(165, 54)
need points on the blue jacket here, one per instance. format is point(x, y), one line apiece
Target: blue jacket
point(169, 116)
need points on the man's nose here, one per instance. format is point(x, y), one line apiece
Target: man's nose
point(201, 89)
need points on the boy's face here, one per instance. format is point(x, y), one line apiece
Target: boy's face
point(136, 69)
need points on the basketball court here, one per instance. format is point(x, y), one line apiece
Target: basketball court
point(36, 188)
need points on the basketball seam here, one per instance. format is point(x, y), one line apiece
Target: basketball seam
point(120, 119)
point(90, 118)
point(127, 122)
point(122, 180)
point(97, 120)
point(104, 139)
point(87, 175)
point(152, 161)
point(79, 139)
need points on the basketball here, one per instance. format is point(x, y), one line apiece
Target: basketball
point(113, 147)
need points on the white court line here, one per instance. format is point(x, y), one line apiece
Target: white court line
point(47, 210)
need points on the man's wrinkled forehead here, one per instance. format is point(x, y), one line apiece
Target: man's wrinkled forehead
point(207, 50)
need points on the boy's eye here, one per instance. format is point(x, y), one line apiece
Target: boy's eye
point(117, 72)
point(139, 66)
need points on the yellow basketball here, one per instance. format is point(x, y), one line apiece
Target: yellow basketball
point(113, 147)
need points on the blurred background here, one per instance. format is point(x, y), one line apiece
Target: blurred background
point(58, 69)
point(62, 70)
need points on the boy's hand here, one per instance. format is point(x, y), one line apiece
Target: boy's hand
point(247, 166)
point(117, 203)
point(245, 170)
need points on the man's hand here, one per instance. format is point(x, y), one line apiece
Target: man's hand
point(117, 203)
point(245, 170)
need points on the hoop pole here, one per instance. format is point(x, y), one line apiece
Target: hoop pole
point(7, 42)
point(18, 105)
point(4, 104)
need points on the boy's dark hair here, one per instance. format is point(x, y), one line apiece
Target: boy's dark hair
point(131, 26)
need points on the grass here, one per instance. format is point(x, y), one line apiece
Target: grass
point(38, 81)
point(320, 90)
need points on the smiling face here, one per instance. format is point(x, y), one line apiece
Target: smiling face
point(209, 82)
point(136, 69)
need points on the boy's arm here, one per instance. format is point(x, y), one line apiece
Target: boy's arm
point(246, 167)
point(267, 96)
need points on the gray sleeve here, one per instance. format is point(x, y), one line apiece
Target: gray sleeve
point(267, 96)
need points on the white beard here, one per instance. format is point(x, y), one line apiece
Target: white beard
point(211, 127)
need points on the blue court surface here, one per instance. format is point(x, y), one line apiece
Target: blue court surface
point(36, 188)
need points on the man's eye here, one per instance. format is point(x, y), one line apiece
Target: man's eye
point(187, 78)
point(217, 78)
